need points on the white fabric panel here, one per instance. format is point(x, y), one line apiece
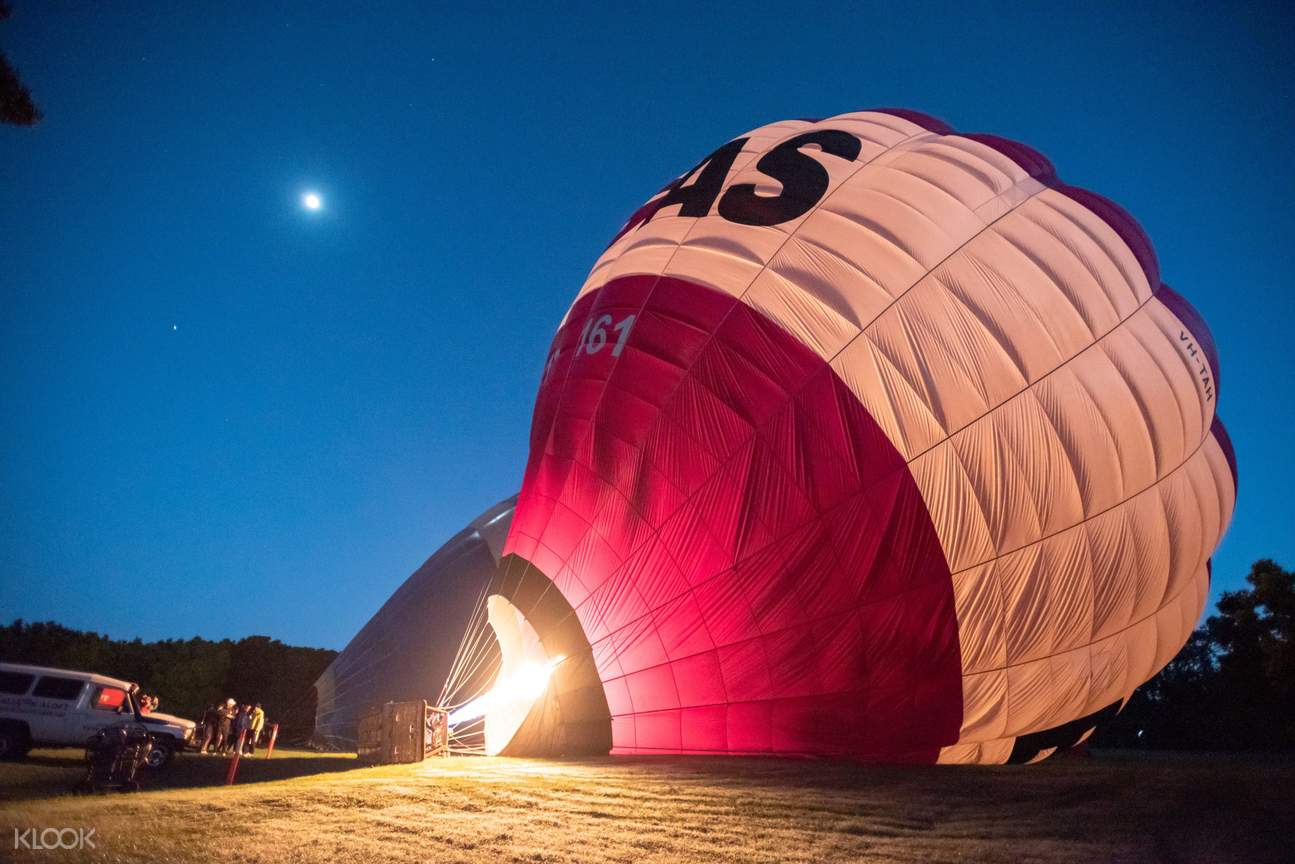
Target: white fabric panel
point(984, 706)
point(979, 602)
point(724, 256)
point(994, 752)
point(1041, 755)
point(1113, 655)
point(1028, 491)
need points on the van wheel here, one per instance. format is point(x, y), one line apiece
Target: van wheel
point(159, 754)
point(15, 740)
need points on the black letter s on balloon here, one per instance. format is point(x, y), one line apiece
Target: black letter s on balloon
point(803, 179)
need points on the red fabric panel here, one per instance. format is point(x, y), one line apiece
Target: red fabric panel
point(658, 731)
point(750, 727)
point(704, 730)
point(744, 668)
point(623, 733)
point(652, 690)
point(682, 630)
point(698, 680)
point(618, 697)
point(638, 646)
point(745, 550)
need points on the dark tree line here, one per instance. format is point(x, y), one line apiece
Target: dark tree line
point(1232, 687)
point(16, 105)
point(187, 675)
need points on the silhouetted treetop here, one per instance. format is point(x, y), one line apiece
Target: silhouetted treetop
point(16, 105)
point(1232, 687)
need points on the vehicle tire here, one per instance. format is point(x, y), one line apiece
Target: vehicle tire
point(15, 740)
point(160, 754)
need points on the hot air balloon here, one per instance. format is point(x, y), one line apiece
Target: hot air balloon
point(411, 648)
point(864, 437)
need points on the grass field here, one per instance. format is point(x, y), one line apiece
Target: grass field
point(307, 807)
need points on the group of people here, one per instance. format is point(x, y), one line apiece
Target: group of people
point(223, 725)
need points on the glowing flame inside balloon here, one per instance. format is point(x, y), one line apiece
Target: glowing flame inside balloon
point(525, 685)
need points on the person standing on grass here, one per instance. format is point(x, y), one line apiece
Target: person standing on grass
point(210, 725)
point(258, 723)
point(226, 718)
point(242, 725)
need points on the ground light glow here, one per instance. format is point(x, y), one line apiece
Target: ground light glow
point(527, 684)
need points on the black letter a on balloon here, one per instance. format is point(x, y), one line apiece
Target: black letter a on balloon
point(696, 197)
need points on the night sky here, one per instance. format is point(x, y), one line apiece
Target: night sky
point(226, 414)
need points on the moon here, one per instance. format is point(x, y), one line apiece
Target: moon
point(311, 201)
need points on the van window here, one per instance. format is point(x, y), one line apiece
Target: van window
point(50, 687)
point(109, 698)
point(15, 682)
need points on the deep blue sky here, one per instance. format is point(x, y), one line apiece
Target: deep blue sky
point(342, 392)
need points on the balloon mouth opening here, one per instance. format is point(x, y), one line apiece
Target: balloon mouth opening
point(525, 670)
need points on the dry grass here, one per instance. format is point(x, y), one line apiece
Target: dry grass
point(302, 807)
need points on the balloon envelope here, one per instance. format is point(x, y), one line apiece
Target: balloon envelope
point(867, 437)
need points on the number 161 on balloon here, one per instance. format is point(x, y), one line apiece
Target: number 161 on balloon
point(596, 335)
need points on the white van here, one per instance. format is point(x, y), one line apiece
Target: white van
point(40, 706)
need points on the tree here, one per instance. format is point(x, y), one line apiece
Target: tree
point(16, 105)
point(1254, 635)
point(1232, 687)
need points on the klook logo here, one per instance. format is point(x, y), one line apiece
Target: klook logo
point(45, 839)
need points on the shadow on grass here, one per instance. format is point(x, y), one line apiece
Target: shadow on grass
point(47, 773)
point(190, 770)
point(1183, 780)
